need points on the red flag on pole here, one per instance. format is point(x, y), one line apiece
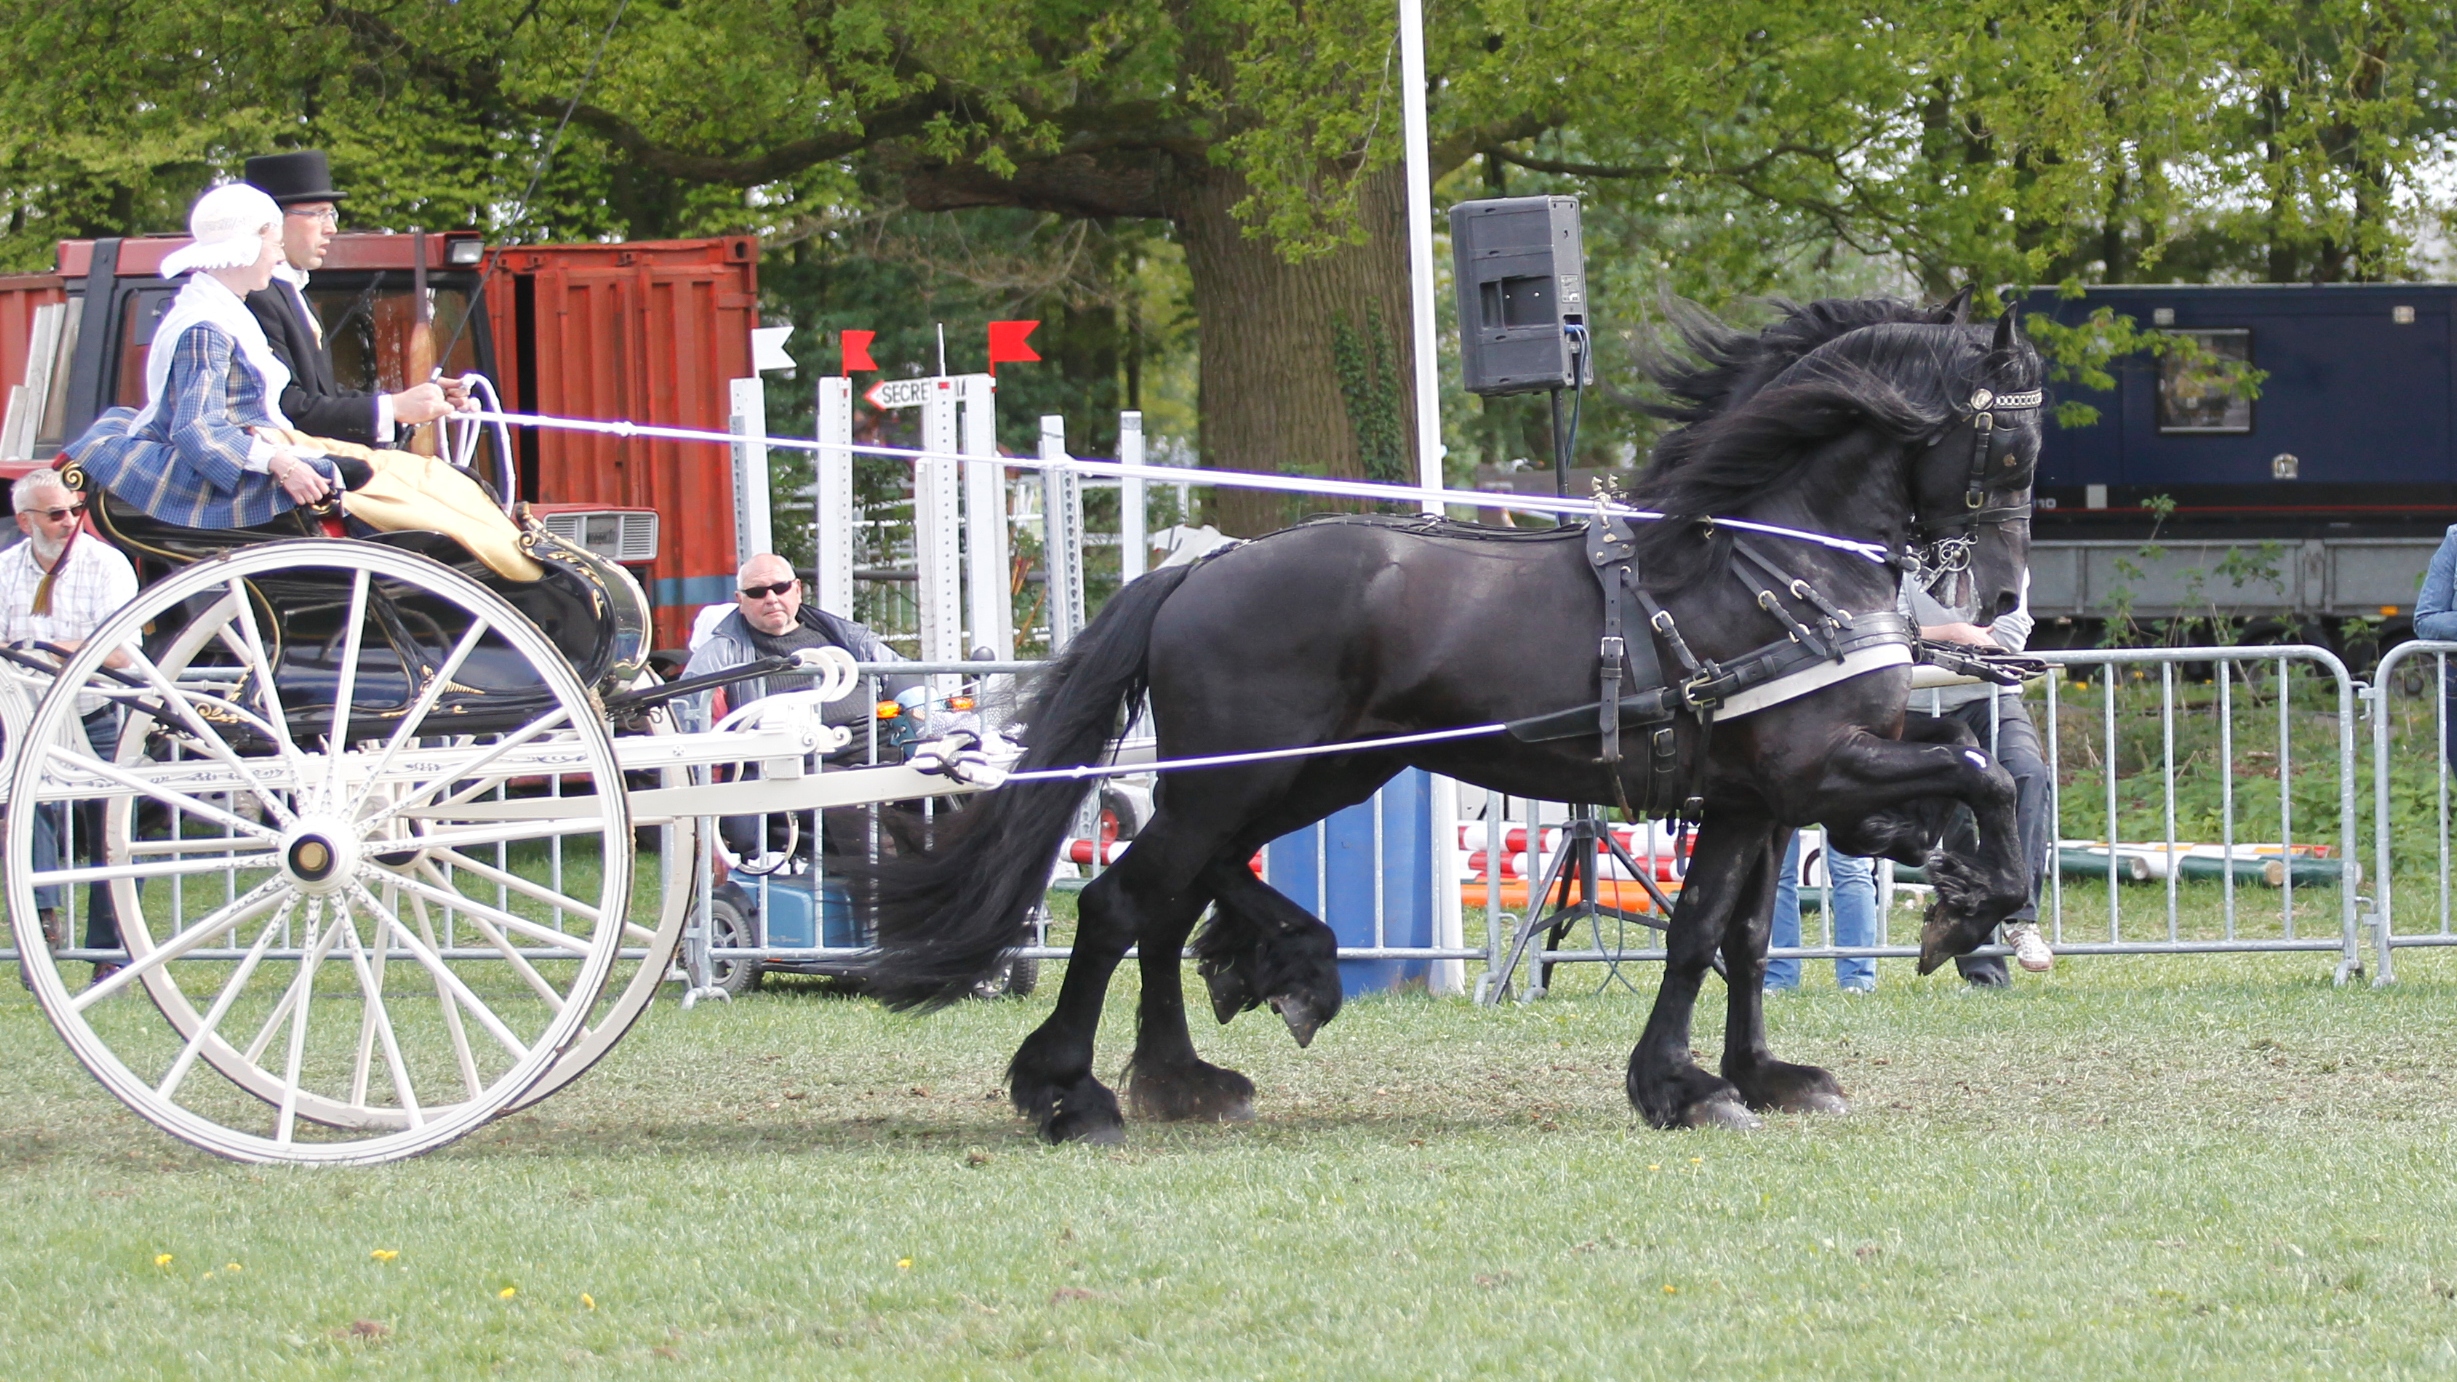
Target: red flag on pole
point(857, 350)
point(1007, 343)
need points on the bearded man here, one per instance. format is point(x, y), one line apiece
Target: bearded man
point(56, 588)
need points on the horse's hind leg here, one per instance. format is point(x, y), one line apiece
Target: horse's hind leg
point(1167, 1081)
point(1731, 877)
point(1260, 947)
point(1051, 1078)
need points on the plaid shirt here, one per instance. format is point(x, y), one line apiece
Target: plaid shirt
point(188, 465)
point(93, 582)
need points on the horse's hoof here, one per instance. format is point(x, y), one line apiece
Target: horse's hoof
point(1300, 1017)
point(1084, 1131)
point(1721, 1111)
point(1190, 1093)
point(1818, 1101)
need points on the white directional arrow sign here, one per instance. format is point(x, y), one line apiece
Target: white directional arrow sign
point(910, 393)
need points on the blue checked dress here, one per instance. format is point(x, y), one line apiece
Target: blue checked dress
point(187, 465)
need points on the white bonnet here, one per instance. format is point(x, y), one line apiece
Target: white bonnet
point(227, 225)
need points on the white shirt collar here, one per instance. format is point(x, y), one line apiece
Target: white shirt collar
point(296, 278)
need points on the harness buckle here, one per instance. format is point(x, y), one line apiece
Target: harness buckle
point(1610, 652)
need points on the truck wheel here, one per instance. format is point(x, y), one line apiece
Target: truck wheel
point(728, 927)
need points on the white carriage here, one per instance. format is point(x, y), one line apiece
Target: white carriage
point(359, 928)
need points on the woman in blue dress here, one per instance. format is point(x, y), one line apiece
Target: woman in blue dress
point(211, 448)
point(198, 454)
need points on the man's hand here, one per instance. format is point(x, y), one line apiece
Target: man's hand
point(456, 392)
point(421, 403)
point(1957, 633)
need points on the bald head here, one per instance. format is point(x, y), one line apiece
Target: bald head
point(768, 593)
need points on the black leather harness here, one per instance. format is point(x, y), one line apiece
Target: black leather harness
point(1639, 697)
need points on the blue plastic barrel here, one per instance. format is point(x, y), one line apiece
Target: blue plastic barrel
point(1336, 860)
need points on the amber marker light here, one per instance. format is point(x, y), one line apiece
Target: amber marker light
point(889, 710)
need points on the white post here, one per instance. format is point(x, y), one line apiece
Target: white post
point(1449, 976)
point(833, 541)
point(1061, 536)
point(937, 531)
point(1134, 548)
point(749, 421)
point(985, 523)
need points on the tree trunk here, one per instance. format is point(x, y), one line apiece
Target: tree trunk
point(1306, 368)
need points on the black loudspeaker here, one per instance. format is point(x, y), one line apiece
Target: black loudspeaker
point(1522, 276)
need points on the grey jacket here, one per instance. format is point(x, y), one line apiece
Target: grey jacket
point(2011, 632)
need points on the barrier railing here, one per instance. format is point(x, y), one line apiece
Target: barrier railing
point(2410, 801)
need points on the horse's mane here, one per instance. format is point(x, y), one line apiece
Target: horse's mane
point(1755, 405)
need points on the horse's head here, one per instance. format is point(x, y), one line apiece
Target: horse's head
point(1970, 489)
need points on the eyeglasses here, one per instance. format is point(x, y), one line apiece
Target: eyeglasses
point(762, 592)
point(329, 217)
point(55, 515)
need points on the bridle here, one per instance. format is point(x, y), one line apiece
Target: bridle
point(1944, 535)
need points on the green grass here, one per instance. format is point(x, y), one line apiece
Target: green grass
point(2132, 1167)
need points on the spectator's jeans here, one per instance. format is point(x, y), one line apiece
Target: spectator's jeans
point(2017, 751)
point(101, 914)
point(1854, 922)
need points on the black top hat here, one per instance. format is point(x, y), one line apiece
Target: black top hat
point(293, 178)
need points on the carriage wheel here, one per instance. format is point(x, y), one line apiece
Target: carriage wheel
point(363, 937)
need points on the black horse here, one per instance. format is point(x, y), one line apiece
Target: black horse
point(1863, 420)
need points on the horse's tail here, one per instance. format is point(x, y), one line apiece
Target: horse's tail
point(949, 917)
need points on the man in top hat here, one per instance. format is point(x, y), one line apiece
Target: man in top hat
point(303, 187)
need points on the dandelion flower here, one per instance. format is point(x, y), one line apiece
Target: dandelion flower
point(162, 1259)
point(1671, 1290)
point(587, 1301)
point(507, 1293)
point(1695, 1160)
point(1655, 1166)
point(232, 1267)
point(384, 1254)
point(903, 1264)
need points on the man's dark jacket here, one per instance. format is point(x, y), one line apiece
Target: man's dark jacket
point(313, 402)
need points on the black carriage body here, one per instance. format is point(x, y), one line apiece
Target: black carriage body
point(2315, 503)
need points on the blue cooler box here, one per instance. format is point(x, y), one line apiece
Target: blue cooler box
point(1337, 858)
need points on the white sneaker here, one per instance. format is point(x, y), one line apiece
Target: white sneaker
point(2030, 949)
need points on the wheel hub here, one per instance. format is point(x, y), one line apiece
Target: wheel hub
point(320, 855)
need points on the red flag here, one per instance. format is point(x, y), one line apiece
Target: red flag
point(1007, 343)
point(857, 350)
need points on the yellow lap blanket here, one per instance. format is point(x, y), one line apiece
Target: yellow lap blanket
point(410, 492)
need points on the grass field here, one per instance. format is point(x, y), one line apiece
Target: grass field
point(2133, 1167)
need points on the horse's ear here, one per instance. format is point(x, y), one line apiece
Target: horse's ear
point(2008, 333)
point(1956, 310)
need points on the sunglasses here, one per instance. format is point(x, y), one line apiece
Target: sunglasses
point(55, 515)
point(761, 592)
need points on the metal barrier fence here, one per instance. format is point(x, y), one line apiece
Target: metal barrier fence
point(2410, 801)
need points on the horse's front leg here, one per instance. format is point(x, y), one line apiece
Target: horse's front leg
point(1766, 1083)
point(1900, 798)
point(1729, 888)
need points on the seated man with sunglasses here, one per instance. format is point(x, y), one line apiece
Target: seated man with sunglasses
point(769, 619)
point(56, 588)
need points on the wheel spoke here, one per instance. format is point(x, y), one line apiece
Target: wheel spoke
point(371, 987)
point(285, 1125)
point(230, 914)
point(452, 1010)
point(244, 615)
point(407, 731)
point(216, 747)
point(103, 873)
point(527, 887)
point(443, 974)
point(442, 895)
point(353, 643)
point(207, 1029)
